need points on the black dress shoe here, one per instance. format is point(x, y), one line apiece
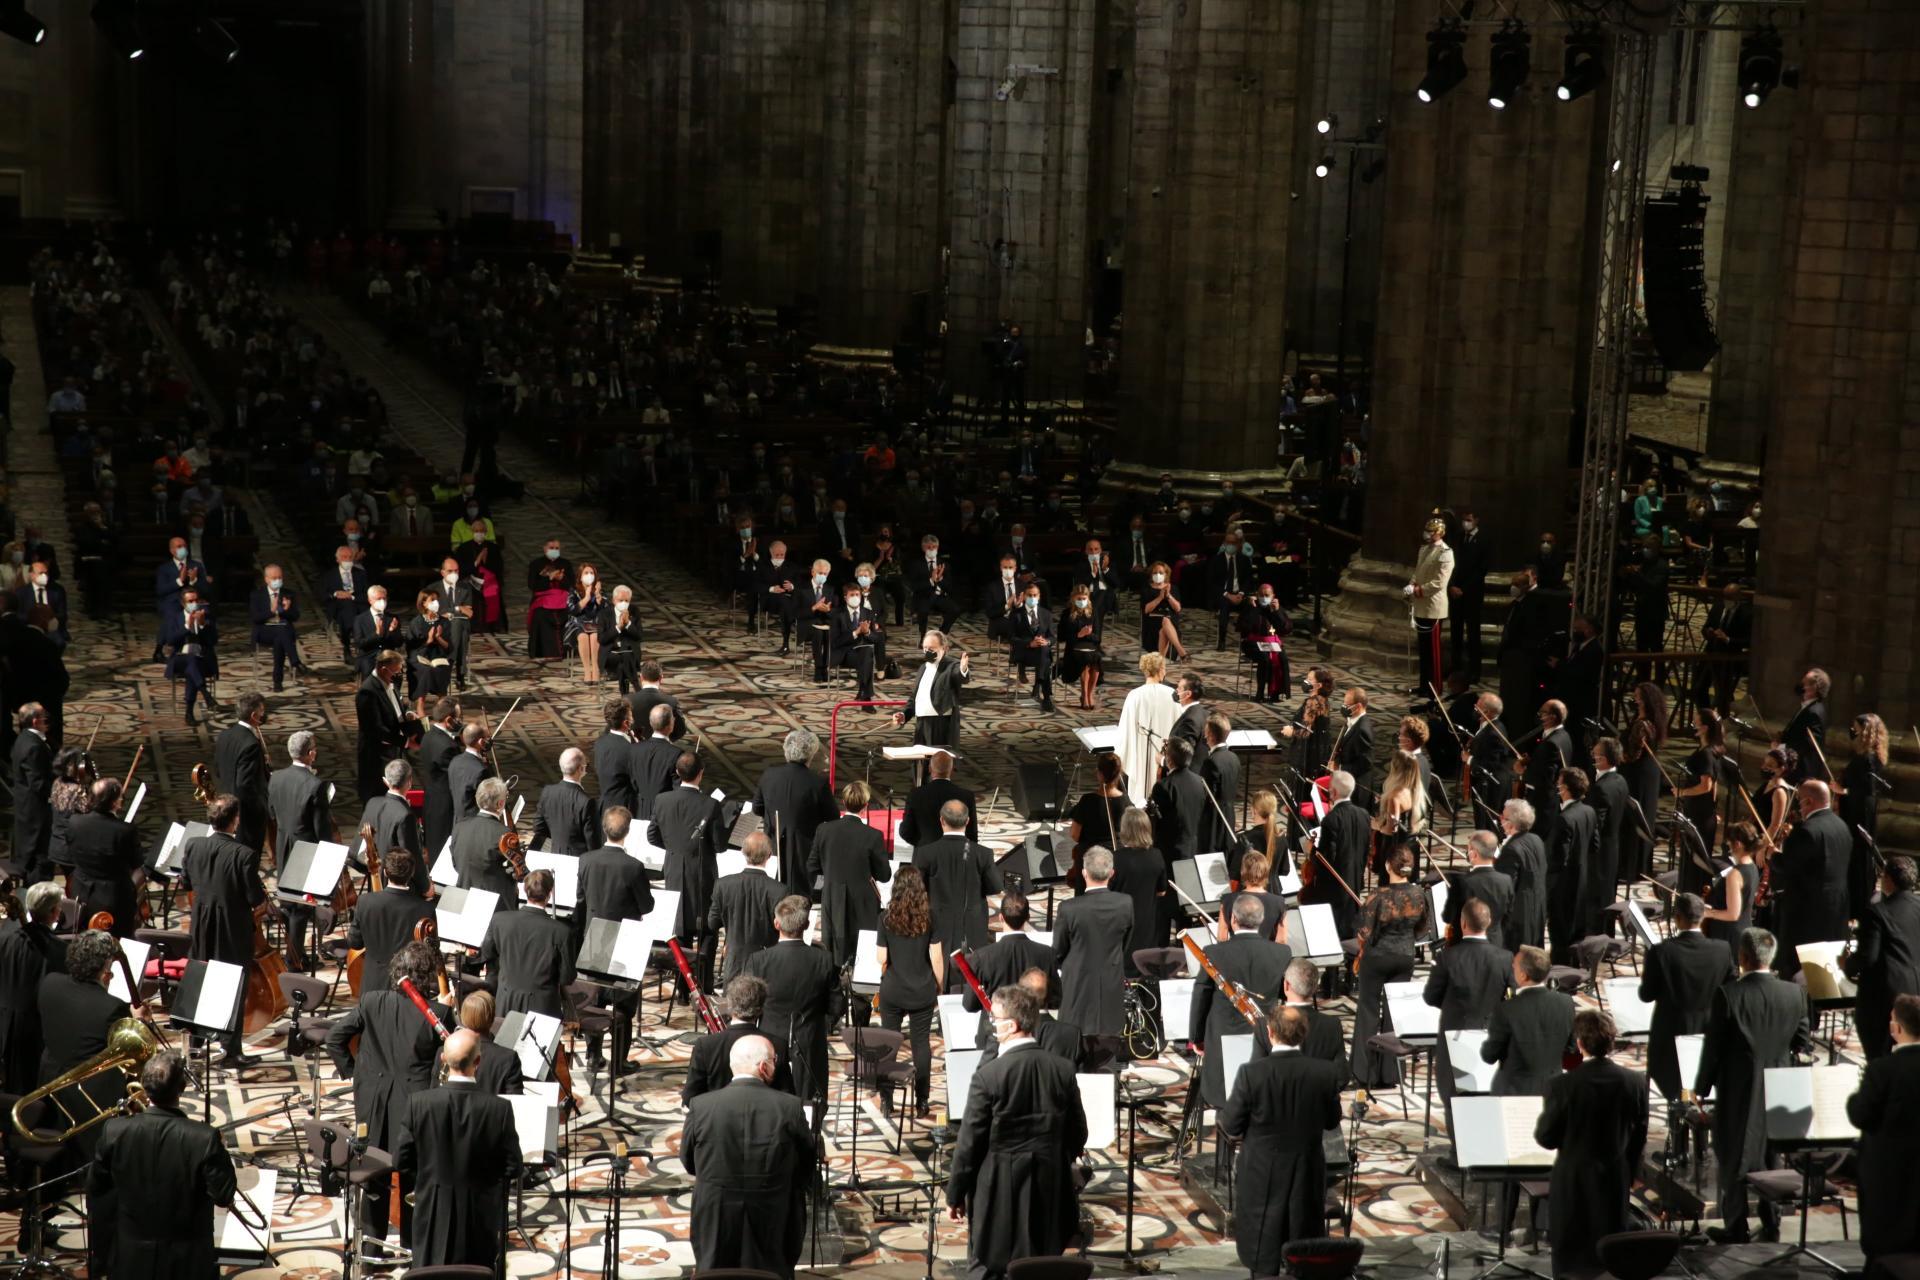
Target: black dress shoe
point(785, 650)
point(893, 671)
point(1046, 705)
point(190, 717)
point(1727, 1235)
point(626, 1069)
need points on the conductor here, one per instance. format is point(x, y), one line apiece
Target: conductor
point(750, 1151)
point(1012, 1178)
point(934, 707)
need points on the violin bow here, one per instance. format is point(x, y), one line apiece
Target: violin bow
point(133, 768)
point(97, 722)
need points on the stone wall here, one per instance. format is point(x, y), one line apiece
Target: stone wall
point(65, 121)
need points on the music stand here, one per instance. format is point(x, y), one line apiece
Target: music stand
point(1807, 1112)
point(1493, 1140)
point(208, 1002)
point(616, 953)
point(312, 872)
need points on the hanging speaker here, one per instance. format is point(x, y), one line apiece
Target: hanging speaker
point(1674, 257)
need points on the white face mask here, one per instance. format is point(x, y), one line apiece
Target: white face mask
point(1006, 575)
point(619, 606)
point(1080, 604)
point(377, 606)
point(273, 584)
point(865, 580)
point(1266, 602)
point(586, 579)
point(778, 561)
point(39, 579)
point(1159, 579)
point(433, 606)
point(452, 580)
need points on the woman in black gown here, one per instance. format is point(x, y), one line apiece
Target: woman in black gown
point(1080, 644)
point(914, 969)
point(1861, 783)
point(1698, 793)
point(1393, 920)
point(1646, 734)
point(1095, 817)
point(1730, 898)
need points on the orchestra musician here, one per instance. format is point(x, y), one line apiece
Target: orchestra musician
point(1522, 858)
point(457, 1144)
point(707, 1068)
point(1354, 754)
point(1679, 979)
point(686, 823)
point(1003, 962)
point(1092, 939)
point(385, 921)
point(803, 986)
point(655, 760)
point(383, 725)
point(391, 1061)
point(528, 953)
point(1485, 882)
point(749, 1149)
point(960, 877)
point(301, 804)
point(614, 753)
point(1220, 771)
point(1345, 838)
point(1549, 749)
point(849, 857)
point(1858, 800)
point(28, 952)
point(612, 886)
point(793, 801)
point(1529, 1034)
point(1570, 851)
point(275, 613)
point(76, 1012)
point(1886, 1110)
point(1255, 964)
point(1595, 1116)
point(1806, 732)
point(1469, 979)
point(106, 853)
point(499, 1070)
point(30, 779)
point(567, 818)
point(1179, 803)
point(1809, 878)
point(240, 767)
point(743, 904)
point(1885, 961)
point(390, 813)
point(477, 859)
point(224, 877)
point(466, 771)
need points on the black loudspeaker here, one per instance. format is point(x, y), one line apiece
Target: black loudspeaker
point(1036, 791)
point(1675, 261)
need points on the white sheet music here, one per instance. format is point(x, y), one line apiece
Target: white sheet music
point(1637, 919)
point(730, 861)
point(538, 1031)
point(659, 921)
point(230, 1235)
point(165, 862)
point(645, 852)
point(912, 751)
point(1204, 937)
point(1410, 1013)
point(961, 1064)
point(442, 872)
point(1687, 1051)
point(519, 807)
point(1470, 1074)
point(535, 1124)
point(1236, 1051)
point(1632, 1016)
point(1497, 1133)
point(219, 995)
point(1042, 936)
point(323, 873)
point(566, 877)
point(1319, 935)
point(133, 810)
point(866, 959)
point(464, 914)
point(1290, 876)
point(1176, 1006)
point(958, 1028)
point(1212, 869)
point(1099, 738)
point(1809, 1104)
point(1097, 1102)
point(136, 953)
point(1251, 740)
point(1820, 962)
point(1439, 891)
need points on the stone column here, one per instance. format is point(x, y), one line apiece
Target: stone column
point(1484, 325)
point(1018, 193)
point(1213, 168)
point(410, 114)
point(95, 91)
point(554, 31)
point(881, 221)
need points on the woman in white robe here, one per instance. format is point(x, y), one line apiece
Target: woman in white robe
point(1149, 707)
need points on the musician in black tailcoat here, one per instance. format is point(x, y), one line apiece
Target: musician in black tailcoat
point(1354, 753)
point(686, 823)
point(1595, 1117)
point(466, 771)
point(1492, 760)
point(394, 1061)
point(1806, 732)
point(934, 704)
point(1220, 771)
point(1179, 804)
point(76, 1012)
point(1529, 1034)
point(1483, 882)
point(1468, 981)
point(105, 852)
point(1001, 963)
point(1012, 1171)
point(1757, 1021)
point(1570, 849)
point(1679, 978)
point(1092, 937)
point(743, 905)
point(612, 885)
point(1616, 838)
point(1345, 838)
point(1886, 1110)
point(1885, 960)
point(614, 753)
point(1549, 750)
point(1810, 877)
point(803, 988)
point(477, 860)
point(649, 695)
point(458, 1145)
point(437, 752)
point(1279, 1107)
point(920, 814)
point(529, 954)
point(384, 922)
point(390, 814)
point(26, 955)
point(163, 1174)
point(381, 734)
point(1258, 967)
point(567, 819)
point(707, 1067)
point(654, 761)
point(240, 767)
point(850, 857)
point(960, 876)
point(749, 1150)
point(792, 800)
point(224, 878)
point(1522, 858)
point(1190, 726)
point(1326, 1036)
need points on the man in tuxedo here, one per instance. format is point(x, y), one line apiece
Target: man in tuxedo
point(813, 606)
point(1679, 979)
point(1051, 1034)
point(383, 922)
point(105, 852)
point(381, 735)
point(477, 860)
point(568, 819)
point(707, 1068)
point(438, 749)
point(749, 1150)
point(275, 613)
point(614, 756)
point(347, 596)
point(1001, 597)
point(1467, 594)
point(528, 953)
point(1469, 979)
point(1570, 850)
point(376, 631)
point(1181, 801)
point(1522, 858)
point(1096, 571)
point(1577, 680)
point(934, 706)
point(1482, 882)
point(1806, 733)
point(1728, 632)
point(1220, 772)
point(192, 641)
point(743, 905)
point(849, 856)
point(1757, 1021)
point(1326, 1038)
point(1191, 725)
point(456, 594)
point(931, 587)
point(803, 987)
point(1886, 1110)
point(775, 588)
point(613, 886)
point(792, 801)
point(240, 767)
point(1256, 965)
point(1810, 877)
point(224, 877)
point(960, 876)
point(1012, 1171)
point(301, 803)
point(1231, 576)
point(31, 781)
point(156, 1179)
point(654, 761)
point(1595, 1116)
point(466, 771)
point(174, 577)
point(1345, 839)
point(1002, 962)
point(1279, 1108)
point(1529, 1034)
point(853, 638)
point(652, 693)
point(920, 815)
point(1354, 752)
point(457, 1144)
point(1030, 630)
point(686, 823)
point(1885, 961)
point(1617, 834)
point(1092, 937)
point(1549, 750)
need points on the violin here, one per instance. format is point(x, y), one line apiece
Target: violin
point(202, 779)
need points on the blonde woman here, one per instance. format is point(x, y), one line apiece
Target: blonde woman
point(1403, 806)
point(1146, 717)
point(1160, 613)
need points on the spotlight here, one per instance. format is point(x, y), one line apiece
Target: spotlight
point(1446, 60)
point(1507, 67)
point(215, 41)
point(1582, 68)
point(122, 27)
point(1325, 166)
point(15, 21)
point(1761, 70)
point(1328, 123)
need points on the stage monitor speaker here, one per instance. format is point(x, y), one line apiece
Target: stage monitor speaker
point(1036, 791)
point(1675, 262)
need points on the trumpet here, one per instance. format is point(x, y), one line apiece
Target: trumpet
point(129, 1044)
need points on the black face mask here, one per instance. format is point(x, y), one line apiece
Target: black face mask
point(932, 655)
point(1799, 691)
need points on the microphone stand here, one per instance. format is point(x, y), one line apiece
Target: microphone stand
point(617, 1172)
point(1356, 1111)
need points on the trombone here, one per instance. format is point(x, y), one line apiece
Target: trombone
point(129, 1044)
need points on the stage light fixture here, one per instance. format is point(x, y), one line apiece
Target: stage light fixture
point(1507, 66)
point(117, 19)
point(15, 21)
point(1325, 166)
point(1328, 123)
point(215, 41)
point(1446, 60)
point(1761, 68)
point(1582, 67)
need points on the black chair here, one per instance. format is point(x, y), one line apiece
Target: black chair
point(1053, 1268)
point(1321, 1257)
point(1788, 1189)
point(1638, 1255)
point(27, 1163)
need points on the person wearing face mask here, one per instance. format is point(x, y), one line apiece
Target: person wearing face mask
point(814, 600)
point(192, 643)
point(1080, 653)
point(547, 577)
point(1020, 548)
point(178, 573)
point(931, 585)
point(454, 594)
point(376, 629)
point(40, 589)
point(1264, 627)
point(889, 579)
point(1427, 602)
point(1031, 633)
point(866, 577)
point(774, 589)
point(1728, 631)
point(1531, 623)
point(620, 639)
point(934, 706)
point(838, 537)
point(346, 588)
point(1550, 563)
point(1229, 582)
point(275, 612)
point(1467, 594)
point(748, 562)
point(1160, 613)
point(1646, 578)
point(412, 518)
point(1002, 598)
point(429, 639)
point(852, 638)
point(587, 613)
point(468, 517)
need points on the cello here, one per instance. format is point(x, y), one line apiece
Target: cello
point(265, 1000)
